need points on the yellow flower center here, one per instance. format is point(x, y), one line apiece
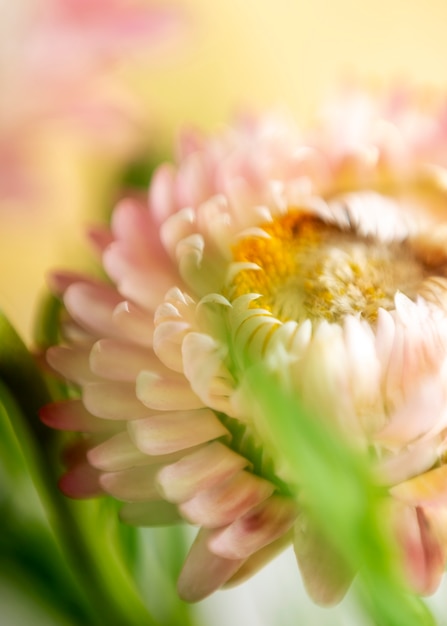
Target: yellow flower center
point(310, 269)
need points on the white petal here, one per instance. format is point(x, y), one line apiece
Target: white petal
point(114, 401)
point(424, 409)
point(226, 502)
point(203, 571)
point(92, 306)
point(117, 360)
point(133, 324)
point(166, 394)
point(203, 359)
point(116, 453)
point(136, 484)
point(203, 469)
point(168, 338)
point(71, 363)
point(177, 227)
point(407, 463)
point(256, 529)
point(168, 432)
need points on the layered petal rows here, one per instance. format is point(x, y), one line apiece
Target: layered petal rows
point(322, 255)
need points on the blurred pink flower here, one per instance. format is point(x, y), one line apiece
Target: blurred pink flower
point(322, 254)
point(54, 57)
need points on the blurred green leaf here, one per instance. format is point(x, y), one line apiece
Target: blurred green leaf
point(46, 322)
point(86, 534)
point(163, 553)
point(350, 516)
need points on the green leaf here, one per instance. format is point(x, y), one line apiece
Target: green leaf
point(85, 533)
point(341, 499)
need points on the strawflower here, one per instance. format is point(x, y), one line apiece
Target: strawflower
point(56, 64)
point(320, 255)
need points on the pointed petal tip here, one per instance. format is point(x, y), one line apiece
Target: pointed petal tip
point(204, 572)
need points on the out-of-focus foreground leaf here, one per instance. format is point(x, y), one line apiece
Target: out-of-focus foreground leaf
point(341, 499)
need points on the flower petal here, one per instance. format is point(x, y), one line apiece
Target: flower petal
point(133, 324)
point(203, 469)
point(166, 393)
point(429, 488)
point(256, 529)
point(168, 432)
point(114, 401)
point(221, 505)
point(260, 558)
point(72, 415)
point(116, 453)
point(423, 552)
point(81, 481)
point(117, 360)
point(71, 363)
point(204, 571)
point(136, 484)
point(92, 306)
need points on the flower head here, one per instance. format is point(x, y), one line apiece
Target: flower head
point(321, 254)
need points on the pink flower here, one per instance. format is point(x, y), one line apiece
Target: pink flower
point(55, 57)
point(321, 254)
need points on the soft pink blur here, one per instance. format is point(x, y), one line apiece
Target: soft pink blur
point(55, 59)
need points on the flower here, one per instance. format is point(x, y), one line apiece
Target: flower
point(321, 254)
point(55, 64)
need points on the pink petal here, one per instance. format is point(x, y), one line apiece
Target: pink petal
point(114, 401)
point(60, 281)
point(423, 553)
point(166, 394)
point(259, 527)
point(161, 193)
point(144, 281)
point(72, 415)
point(81, 482)
point(118, 360)
point(221, 505)
point(407, 463)
point(168, 432)
point(421, 411)
point(71, 363)
point(133, 324)
point(193, 180)
point(260, 558)
point(100, 237)
point(203, 469)
point(115, 454)
point(119, 452)
point(176, 228)
point(136, 484)
point(203, 571)
point(92, 306)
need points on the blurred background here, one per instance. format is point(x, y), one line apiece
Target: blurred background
point(94, 93)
